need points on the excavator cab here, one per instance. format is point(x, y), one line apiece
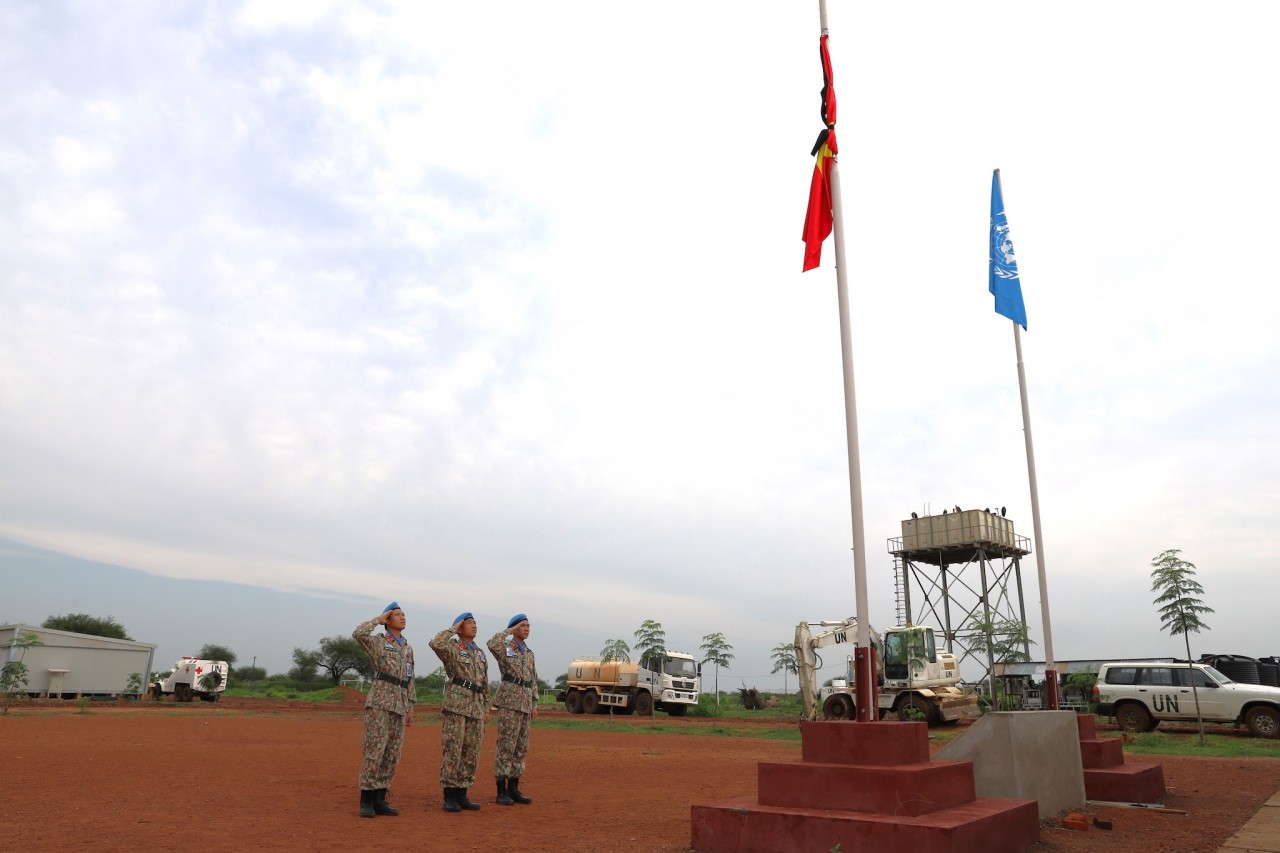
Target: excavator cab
point(903, 646)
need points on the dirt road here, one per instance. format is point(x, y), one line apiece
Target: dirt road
point(257, 775)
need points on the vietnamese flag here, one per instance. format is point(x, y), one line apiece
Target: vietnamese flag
point(817, 219)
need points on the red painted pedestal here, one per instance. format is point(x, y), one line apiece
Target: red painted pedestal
point(865, 787)
point(1106, 774)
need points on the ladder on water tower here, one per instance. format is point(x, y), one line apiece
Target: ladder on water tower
point(899, 603)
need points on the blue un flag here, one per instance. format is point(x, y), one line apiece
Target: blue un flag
point(1004, 282)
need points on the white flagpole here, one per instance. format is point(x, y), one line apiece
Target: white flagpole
point(1050, 669)
point(864, 676)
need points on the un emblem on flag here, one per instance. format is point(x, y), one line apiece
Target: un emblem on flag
point(1005, 264)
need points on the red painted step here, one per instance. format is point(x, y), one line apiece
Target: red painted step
point(1108, 776)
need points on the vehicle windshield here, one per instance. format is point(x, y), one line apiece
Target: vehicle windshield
point(680, 667)
point(1218, 676)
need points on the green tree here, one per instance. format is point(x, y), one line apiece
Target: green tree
point(1180, 607)
point(251, 674)
point(615, 650)
point(716, 651)
point(212, 651)
point(339, 655)
point(784, 661)
point(305, 665)
point(651, 640)
point(562, 681)
point(133, 685)
point(14, 675)
point(435, 680)
point(1006, 639)
point(83, 623)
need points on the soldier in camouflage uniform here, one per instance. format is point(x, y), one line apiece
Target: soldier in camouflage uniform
point(466, 701)
point(388, 709)
point(517, 702)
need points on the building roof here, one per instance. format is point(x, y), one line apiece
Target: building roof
point(1035, 669)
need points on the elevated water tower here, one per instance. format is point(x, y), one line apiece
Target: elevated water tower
point(961, 571)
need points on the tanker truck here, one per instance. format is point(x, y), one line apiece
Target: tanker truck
point(669, 683)
point(192, 678)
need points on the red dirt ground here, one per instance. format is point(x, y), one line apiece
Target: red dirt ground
point(278, 776)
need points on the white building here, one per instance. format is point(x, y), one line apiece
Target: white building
point(69, 665)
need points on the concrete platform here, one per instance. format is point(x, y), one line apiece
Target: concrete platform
point(1031, 755)
point(1261, 834)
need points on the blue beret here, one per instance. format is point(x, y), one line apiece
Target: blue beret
point(462, 617)
point(516, 620)
point(395, 605)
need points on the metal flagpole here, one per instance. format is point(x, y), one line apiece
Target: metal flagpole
point(1050, 669)
point(864, 661)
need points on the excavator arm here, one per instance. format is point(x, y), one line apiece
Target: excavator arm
point(808, 661)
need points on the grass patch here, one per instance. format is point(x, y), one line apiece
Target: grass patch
point(292, 692)
point(662, 727)
point(1188, 743)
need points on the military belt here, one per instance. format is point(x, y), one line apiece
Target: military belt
point(469, 685)
point(523, 682)
point(398, 682)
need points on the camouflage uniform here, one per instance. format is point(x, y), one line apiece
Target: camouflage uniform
point(516, 698)
point(462, 723)
point(387, 706)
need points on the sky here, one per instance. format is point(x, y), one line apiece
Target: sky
point(498, 307)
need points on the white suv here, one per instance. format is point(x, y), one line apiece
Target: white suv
point(1140, 694)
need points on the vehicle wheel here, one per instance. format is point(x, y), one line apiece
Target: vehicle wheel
point(911, 710)
point(590, 702)
point(1263, 721)
point(156, 693)
point(624, 712)
point(1132, 717)
point(573, 702)
point(677, 710)
point(837, 707)
point(644, 704)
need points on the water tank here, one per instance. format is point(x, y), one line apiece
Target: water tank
point(1236, 667)
point(1269, 670)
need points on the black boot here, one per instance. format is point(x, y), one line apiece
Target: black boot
point(451, 800)
point(461, 794)
point(380, 805)
point(366, 803)
point(513, 788)
point(503, 798)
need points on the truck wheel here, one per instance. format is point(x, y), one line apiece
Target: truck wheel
point(1132, 717)
point(1263, 721)
point(677, 710)
point(913, 710)
point(156, 693)
point(837, 707)
point(590, 702)
point(644, 704)
point(573, 702)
